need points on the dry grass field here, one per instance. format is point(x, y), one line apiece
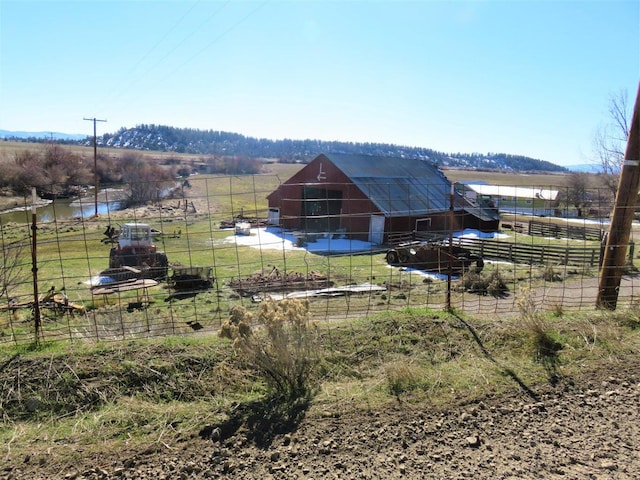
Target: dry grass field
point(9, 149)
point(416, 394)
point(542, 179)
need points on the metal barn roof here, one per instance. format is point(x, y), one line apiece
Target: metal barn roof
point(403, 186)
point(397, 186)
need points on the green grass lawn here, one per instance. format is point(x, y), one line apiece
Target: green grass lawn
point(70, 252)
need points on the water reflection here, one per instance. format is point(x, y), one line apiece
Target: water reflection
point(60, 210)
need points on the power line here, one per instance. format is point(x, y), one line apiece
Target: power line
point(216, 39)
point(168, 52)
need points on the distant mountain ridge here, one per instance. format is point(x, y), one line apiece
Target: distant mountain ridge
point(210, 142)
point(39, 136)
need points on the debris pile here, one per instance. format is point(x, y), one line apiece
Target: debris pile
point(252, 221)
point(279, 281)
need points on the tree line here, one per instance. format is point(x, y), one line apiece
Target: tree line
point(225, 144)
point(46, 169)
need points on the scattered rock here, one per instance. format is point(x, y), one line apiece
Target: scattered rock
point(472, 441)
point(562, 433)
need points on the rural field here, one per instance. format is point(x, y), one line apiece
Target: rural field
point(532, 383)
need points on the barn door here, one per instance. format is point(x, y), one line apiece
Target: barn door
point(376, 229)
point(274, 216)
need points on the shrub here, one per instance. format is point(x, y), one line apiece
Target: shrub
point(492, 284)
point(12, 270)
point(474, 282)
point(52, 169)
point(550, 275)
point(238, 324)
point(283, 350)
point(497, 286)
point(545, 347)
point(401, 377)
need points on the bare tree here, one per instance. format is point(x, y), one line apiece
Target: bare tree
point(610, 139)
point(577, 194)
point(54, 169)
point(109, 168)
point(12, 272)
point(146, 180)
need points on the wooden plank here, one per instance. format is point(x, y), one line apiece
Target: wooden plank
point(118, 287)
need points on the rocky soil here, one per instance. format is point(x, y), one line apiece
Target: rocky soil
point(581, 428)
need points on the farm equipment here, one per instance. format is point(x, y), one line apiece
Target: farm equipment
point(56, 302)
point(135, 248)
point(191, 278)
point(434, 257)
point(277, 281)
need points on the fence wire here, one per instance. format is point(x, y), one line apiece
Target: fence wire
point(221, 223)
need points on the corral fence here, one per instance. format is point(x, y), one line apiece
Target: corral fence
point(196, 229)
point(556, 230)
point(532, 254)
point(515, 252)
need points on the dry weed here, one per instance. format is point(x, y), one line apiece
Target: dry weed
point(284, 352)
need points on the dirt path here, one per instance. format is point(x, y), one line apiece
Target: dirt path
point(571, 295)
point(582, 428)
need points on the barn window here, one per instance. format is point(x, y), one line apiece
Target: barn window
point(423, 224)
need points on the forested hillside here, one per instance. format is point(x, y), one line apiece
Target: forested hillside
point(210, 142)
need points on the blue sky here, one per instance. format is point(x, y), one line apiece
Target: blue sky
point(522, 77)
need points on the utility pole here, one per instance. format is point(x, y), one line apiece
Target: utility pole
point(620, 229)
point(95, 161)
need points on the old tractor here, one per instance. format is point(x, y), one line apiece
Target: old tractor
point(135, 248)
point(434, 257)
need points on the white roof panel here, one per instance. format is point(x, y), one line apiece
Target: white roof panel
point(510, 191)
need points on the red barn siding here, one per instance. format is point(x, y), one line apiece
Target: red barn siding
point(356, 208)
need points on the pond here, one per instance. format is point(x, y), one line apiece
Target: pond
point(66, 208)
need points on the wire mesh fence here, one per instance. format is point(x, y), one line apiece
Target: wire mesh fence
point(224, 248)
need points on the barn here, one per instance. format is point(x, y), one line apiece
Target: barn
point(517, 199)
point(372, 197)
